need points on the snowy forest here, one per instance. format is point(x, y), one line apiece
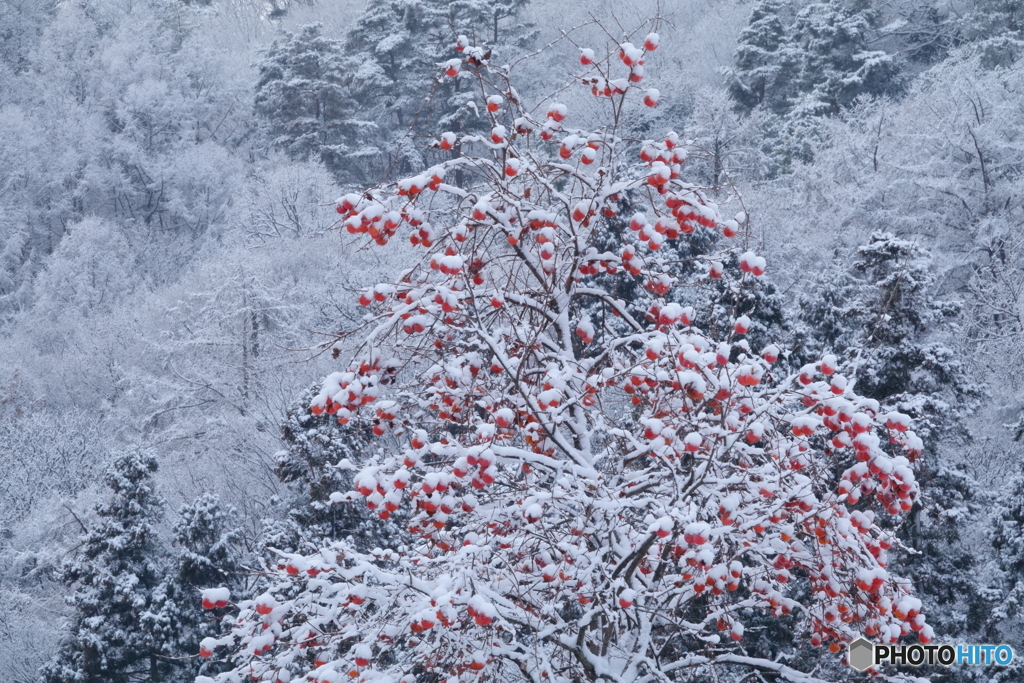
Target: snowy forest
point(436, 341)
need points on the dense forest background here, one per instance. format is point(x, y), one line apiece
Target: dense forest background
point(170, 263)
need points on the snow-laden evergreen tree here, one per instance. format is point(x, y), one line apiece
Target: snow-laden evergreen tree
point(950, 557)
point(838, 64)
point(114, 576)
point(208, 554)
point(766, 62)
point(819, 63)
point(1005, 595)
point(1006, 533)
point(757, 299)
point(623, 220)
point(394, 49)
point(304, 95)
point(313, 465)
point(882, 312)
point(795, 71)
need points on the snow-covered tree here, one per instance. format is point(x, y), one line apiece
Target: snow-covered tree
point(586, 502)
point(208, 554)
point(1006, 533)
point(38, 467)
point(998, 27)
point(881, 310)
point(138, 614)
point(730, 140)
point(795, 71)
point(113, 577)
point(21, 23)
point(283, 201)
point(1005, 592)
point(926, 32)
point(305, 96)
point(838, 64)
point(207, 544)
point(314, 447)
point(766, 63)
point(949, 561)
point(817, 65)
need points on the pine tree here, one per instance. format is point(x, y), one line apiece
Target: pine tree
point(765, 59)
point(838, 64)
point(1000, 16)
point(882, 312)
point(314, 445)
point(304, 95)
point(818, 64)
point(395, 47)
point(208, 555)
point(795, 73)
point(115, 575)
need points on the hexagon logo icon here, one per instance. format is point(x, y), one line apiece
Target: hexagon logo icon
point(861, 654)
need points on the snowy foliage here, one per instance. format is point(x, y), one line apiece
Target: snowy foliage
point(304, 94)
point(799, 68)
point(37, 469)
point(114, 579)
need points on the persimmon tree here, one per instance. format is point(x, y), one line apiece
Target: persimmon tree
point(594, 493)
